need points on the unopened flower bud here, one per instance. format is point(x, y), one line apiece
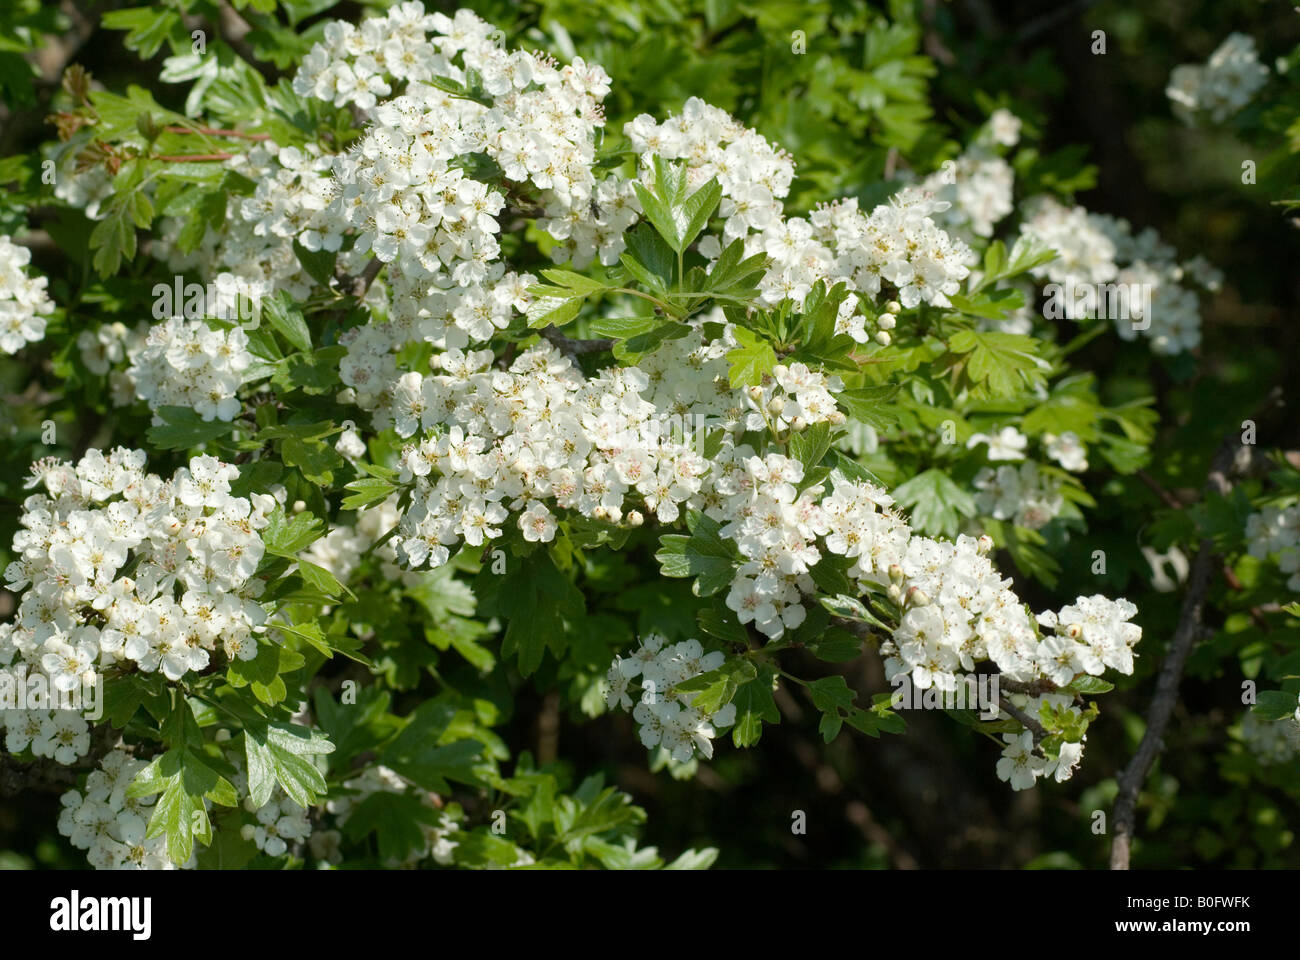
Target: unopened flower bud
point(882, 338)
point(887, 322)
point(1074, 631)
point(756, 393)
point(895, 573)
point(634, 518)
point(836, 418)
point(984, 545)
point(299, 506)
point(917, 597)
point(894, 307)
point(798, 424)
point(895, 592)
point(776, 405)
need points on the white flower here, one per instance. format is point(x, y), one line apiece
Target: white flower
point(1007, 444)
point(1067, 450)
point(1019, 765)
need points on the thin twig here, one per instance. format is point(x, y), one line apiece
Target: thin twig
point(574, 348)
point(1029, 723)
point(1171, 671)
point(215, 132)
point(193, 157)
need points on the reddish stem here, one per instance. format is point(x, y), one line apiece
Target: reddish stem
point(214, 132)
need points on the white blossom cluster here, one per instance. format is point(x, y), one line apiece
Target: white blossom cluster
point(1102, 266)
point(754, 175)
point(956, 608)
point(191, 550)
point(405, 188)
point(109, 825)
point(61, 735)
point(1222, 85)
point(1275, 532)
point(108, 350)
point(276, 823)
point(86, 188)
point(1010, 444)
point(23, 300)
point(665, 714)
point(188, 363)
point(341, 550)
point(541, 437)
point(1022, 764)
point(254, 245)
point(1023, 495)
point(353, 64)
point(897, 243)
point(978, 185)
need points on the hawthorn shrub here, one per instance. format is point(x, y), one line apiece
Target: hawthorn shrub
point(389, 377)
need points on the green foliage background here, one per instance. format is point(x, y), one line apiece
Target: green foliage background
point(881, 85)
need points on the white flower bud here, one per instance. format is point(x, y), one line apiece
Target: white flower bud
point(894, 307)
point(299, 506)
point(887, 322)
point(634, 518)
point(882, 338)
point(776, 405)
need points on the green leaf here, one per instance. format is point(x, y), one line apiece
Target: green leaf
point(719, 622)
point(714, 689)
point(751, 360)
point(319, 264)
point(287, 536)
point(622, 328)
point(184, 782)
point(754, 705)
point(182, 428)
point(550, 311)
point(641, 345)
point(936, 502)
point(696, 211)
point(870, 405)
point(395, 819)
point(278, 752)
point(580, 285)
point(809, 445)
point(366, 491)
point(316, 460)
point(1000, 364)
point(703, 555)
point(831, 695)
point(1275, 704)
point(432, 749)
point(285, 318)
point(536, 600)
point(837, 645)
point(1089, 685)
point(649, 259)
